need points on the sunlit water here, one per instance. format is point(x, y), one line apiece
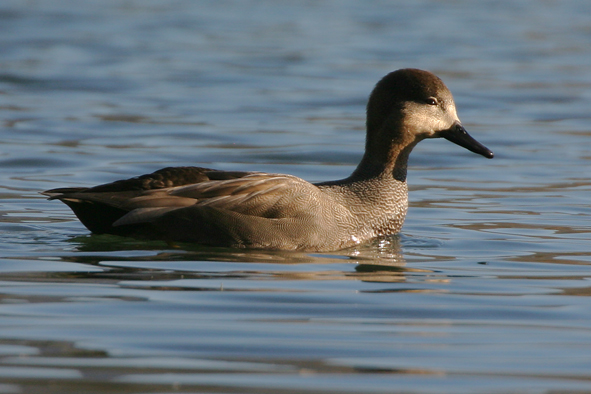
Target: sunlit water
point(485, 291)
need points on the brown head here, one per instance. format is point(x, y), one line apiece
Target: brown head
point(409, 105)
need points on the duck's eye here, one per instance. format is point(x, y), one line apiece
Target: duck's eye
point(431, 101)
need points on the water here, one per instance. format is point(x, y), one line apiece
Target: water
point(485, 291)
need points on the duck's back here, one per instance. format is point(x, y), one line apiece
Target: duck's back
point(100, 206)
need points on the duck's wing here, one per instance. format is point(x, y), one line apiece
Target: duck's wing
point(221, 208)
point(100, 206)
point(256, 210)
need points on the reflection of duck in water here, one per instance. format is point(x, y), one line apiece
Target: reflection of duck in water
point(275, 211)
point(380, 260)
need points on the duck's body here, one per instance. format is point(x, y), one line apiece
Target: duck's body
point(276, 211)
point(241, 209)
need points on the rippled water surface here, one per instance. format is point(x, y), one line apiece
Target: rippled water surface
point(485, 290)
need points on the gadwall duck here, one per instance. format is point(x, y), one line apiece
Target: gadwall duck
point(283, 212)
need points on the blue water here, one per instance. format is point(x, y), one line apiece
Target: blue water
point(485, 290)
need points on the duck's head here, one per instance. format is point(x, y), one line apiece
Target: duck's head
point(409, 105)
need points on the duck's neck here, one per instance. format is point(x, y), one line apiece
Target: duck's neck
point(394, 166)
point(385, 159)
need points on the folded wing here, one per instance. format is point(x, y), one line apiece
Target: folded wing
point(208, 206)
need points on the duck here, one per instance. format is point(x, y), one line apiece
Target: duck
point(259, 210)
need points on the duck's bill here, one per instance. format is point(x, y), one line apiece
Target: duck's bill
point(458, 135)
